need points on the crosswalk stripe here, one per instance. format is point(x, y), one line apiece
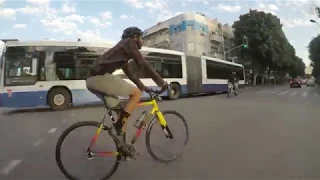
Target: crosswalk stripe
point(294, 93)
point(304, 94)
point(284, 92)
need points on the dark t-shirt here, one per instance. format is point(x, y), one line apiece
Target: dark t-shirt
point(118, 57)
point(233, 79)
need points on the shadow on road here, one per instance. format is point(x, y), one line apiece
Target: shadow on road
point(43, 110)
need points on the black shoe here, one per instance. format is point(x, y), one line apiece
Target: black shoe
point(118, 128)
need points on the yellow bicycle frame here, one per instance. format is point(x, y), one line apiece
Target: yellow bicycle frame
point(155, 110)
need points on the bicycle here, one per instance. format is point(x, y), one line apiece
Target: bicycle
point(231, 90)
point(124, 150)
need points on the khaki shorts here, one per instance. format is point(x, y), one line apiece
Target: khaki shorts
point(111, 85)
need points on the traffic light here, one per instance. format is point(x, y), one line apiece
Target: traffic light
point(245, 42)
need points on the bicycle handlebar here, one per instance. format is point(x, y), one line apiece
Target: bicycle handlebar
point(154, 94)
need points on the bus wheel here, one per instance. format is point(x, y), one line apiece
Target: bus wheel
point(59, 99)
point(175, 91)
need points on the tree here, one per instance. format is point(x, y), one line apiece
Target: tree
point(318, 11)
point(314, 55)
point(314, 51)
point(267, 42)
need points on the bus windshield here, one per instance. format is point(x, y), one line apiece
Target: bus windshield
point(20, 66)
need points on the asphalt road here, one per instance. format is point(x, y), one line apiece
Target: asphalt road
point(264, 133)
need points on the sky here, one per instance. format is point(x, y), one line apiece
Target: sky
point(104, 20)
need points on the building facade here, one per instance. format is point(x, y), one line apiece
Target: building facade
point(192, 33)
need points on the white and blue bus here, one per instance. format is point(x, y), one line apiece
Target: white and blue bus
point(53, 73)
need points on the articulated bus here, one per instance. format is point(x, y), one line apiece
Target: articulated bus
point(53, 73)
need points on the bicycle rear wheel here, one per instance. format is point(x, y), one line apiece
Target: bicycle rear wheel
point(185, 141)
point(89, 153)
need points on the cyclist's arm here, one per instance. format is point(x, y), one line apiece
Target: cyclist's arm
point(132, 77)
point(133, 51)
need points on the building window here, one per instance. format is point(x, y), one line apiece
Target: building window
point(190, 46)
point(190, 27)
point(176, 29)
point(202, 30)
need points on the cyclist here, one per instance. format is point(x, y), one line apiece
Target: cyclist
point(233, 80)
point(101, 78)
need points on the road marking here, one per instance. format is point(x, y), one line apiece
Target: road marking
point(73, 114)
point(52, 130)
point(284, 92)
point(273, 92)
point(11, 166)
point(38, 142)
point(304, 94)
point(294, 93)
point(262, 92)
point(64, 121)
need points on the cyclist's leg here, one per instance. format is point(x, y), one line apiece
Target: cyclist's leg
point(114, 86)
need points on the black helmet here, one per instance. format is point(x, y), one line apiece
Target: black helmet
point(130, 32)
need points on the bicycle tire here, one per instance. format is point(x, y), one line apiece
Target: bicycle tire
point(60, 142)
point(155, 119)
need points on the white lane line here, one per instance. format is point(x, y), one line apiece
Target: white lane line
point(315, 94)
point(6, 170)
point(284, 92)
point(273, 92)
point(52, 130)
point(304, 94)
point(64, 121)
point(294, 93)
point(262, 92)
point(38, 142)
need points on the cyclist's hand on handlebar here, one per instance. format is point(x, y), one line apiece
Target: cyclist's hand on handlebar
point(148, 90)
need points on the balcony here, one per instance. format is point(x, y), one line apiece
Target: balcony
point(160, 41)
point(216, 38)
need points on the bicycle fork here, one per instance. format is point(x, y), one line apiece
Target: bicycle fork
point(164, 125)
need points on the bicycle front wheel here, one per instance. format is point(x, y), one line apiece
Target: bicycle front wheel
point(182, 129)
point(86, 152)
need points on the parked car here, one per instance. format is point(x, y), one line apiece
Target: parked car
point(311, 82)
point(295, 83)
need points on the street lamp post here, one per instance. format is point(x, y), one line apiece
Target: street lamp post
point(313, 21)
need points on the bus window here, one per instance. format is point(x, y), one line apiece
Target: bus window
point(172, 68)
point(217, 70)
point(20, 66)
point(167, 65)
